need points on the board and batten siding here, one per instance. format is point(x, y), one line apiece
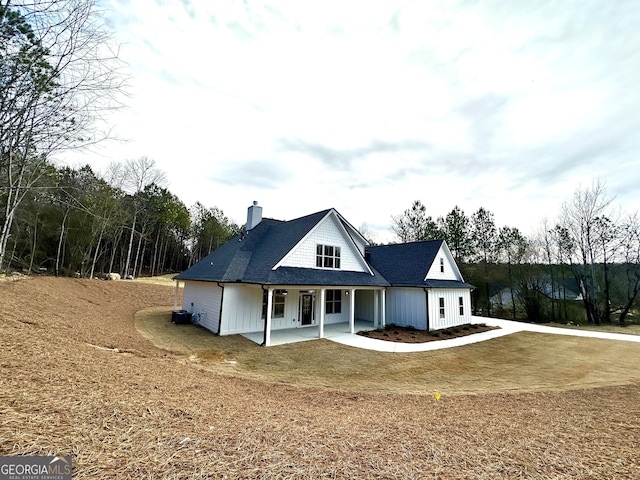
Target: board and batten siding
point(203, 299)
point(364, 303)
point(330, 318)
point(328, 232)
point(406, 307)
point(242, 311)
point(452, 315)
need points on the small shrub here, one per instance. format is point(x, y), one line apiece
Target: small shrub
point(446, 332)
point(390, 326)
point(435, 333)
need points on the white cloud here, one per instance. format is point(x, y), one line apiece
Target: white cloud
point(368, 106)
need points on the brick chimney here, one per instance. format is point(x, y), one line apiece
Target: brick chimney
point(254, 216)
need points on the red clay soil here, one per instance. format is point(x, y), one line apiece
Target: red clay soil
point(77, 379)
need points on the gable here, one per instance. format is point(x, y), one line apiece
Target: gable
point(416, 264)
point(330, 231)
point(443, 266)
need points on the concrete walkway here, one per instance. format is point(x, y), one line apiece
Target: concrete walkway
point(339, 333)
point(507, 327)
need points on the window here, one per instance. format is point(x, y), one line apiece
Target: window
point(461, 303)
point(442, 265)
point(327, 256)
point(441, 307)
point(333, 302)
point(277, 304)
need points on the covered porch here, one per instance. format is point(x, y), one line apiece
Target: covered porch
point(301, 334)
point(317, 312)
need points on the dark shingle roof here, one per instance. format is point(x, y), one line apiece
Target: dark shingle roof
point(250, 259)
point(407, 264)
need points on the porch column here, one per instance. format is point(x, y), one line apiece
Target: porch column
point(267, 322)
point(352, 310)
point(376, 293)
point(383, 307)
point(175, 297)
point(322, 308)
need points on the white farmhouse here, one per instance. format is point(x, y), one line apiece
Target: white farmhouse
point(316, 270)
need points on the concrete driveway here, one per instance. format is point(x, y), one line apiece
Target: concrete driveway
point(507, 327)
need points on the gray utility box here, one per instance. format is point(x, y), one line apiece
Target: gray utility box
point(180, 317)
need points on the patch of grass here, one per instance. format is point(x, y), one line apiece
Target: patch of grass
point(630, 329)
point(523, 361)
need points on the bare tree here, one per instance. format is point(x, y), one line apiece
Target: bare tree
point(582, 217)
point(137, 175)
point(631, 257)
point(57, 78)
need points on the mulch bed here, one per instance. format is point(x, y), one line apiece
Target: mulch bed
point(395, 333)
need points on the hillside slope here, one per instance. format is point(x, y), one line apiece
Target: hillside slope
point(77, 379)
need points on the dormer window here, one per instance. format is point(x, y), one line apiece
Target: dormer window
point(327, 256)
point(442, 265)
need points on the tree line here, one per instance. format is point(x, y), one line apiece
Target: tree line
point(59, 74)
point(73, 221)
point(589, 256)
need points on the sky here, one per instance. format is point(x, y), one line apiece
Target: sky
point(366, 106)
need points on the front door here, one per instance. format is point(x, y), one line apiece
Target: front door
point(306, 309)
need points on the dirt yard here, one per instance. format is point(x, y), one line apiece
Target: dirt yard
point(77, 378)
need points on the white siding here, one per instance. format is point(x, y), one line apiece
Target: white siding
point(341, 317)
point(365, 305)
point(291, 312)
point(450, 268)
point(203, 299)
point(361, 245)
point(451, 308)
point(406, 306)
point(328, 232)
point(242, 309)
